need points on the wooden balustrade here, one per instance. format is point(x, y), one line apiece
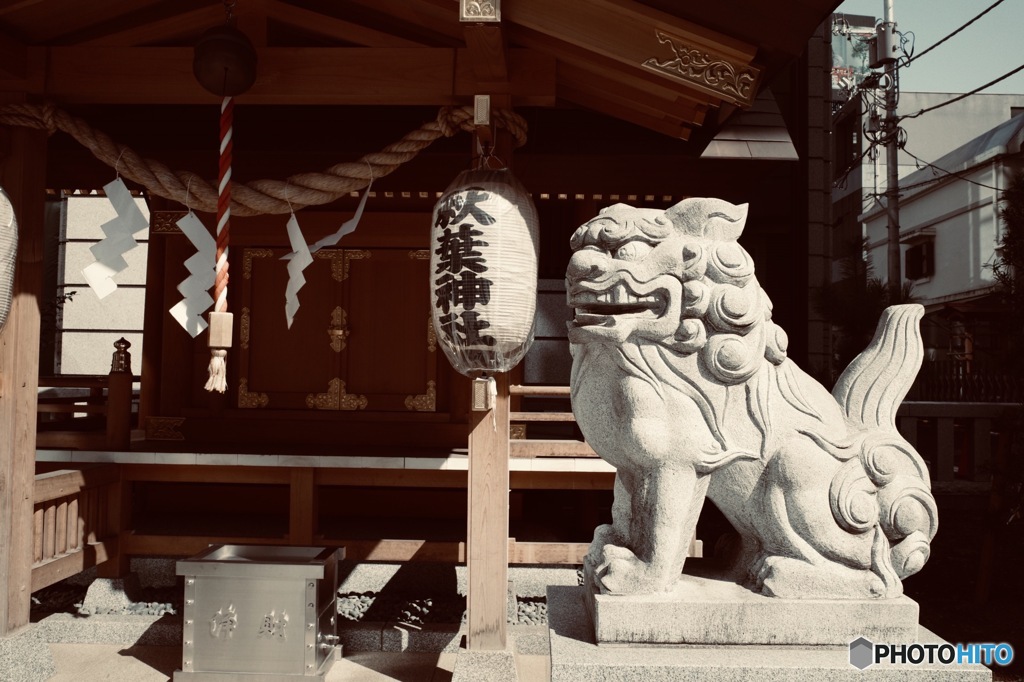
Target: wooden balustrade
point(955, 381)
point(520, 446)
point(98, 420)
point(955, 438)
point(76, 522)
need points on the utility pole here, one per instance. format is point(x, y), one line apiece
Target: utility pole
point(886, 45)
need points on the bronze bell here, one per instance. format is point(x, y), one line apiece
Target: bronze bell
point(225, 61)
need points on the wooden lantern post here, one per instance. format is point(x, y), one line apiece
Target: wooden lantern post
point(487, 521)
point(487, 543)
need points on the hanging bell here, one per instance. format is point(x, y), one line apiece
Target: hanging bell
point(225, 61)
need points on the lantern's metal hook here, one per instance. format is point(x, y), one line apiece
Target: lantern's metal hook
point(229, 14)
point(288, 195)
point(188, 187)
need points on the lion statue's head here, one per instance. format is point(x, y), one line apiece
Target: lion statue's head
point(677, 278)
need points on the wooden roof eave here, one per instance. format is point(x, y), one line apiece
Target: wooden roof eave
point(300, 76)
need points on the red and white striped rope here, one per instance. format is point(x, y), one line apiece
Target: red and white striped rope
point(220, 288)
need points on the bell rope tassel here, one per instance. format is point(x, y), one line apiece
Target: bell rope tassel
point(220, 341)
point(220, 318)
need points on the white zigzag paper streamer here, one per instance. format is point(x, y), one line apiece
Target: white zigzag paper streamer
point(298, 260)
point(347, 227)
point(196, 287)
point(118, 240)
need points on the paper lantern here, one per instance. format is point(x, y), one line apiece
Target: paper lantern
point(8, 254)
point(483, 271)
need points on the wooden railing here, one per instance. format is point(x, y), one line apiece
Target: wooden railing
point(956, 438)
point(88, 412)
point(75, 523)
point(520, 446)
point(954, 381)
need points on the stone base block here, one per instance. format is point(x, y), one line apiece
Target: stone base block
point(575, 657)
point(706, 611)
point(493, 666)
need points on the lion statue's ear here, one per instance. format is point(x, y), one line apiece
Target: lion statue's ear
point(709, 218)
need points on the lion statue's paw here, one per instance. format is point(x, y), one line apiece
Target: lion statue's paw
point(620, 571)
point(789, 578)
point(603, 535)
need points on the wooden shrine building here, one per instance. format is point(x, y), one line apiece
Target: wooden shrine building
point(351, 428)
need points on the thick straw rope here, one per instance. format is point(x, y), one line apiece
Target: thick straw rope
point(260, 196)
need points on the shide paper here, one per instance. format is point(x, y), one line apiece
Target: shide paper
point(196, 287)
point(118, 240)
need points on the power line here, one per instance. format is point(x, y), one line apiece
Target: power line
point(947, 172)
point(990, 8)
point(966, 94)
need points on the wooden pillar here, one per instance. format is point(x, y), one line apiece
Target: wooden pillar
point(487, 538)
point(23, 176)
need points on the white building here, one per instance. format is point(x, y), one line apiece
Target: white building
point(949, 235)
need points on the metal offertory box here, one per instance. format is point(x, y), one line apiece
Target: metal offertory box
point(254, 612)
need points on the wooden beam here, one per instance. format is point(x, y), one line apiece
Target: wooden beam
point(639, 36)
point(12, 7)
point(175, 26)
point(13, 58)
point(301, 506)
point(487, 533)
point(609, 69)
point(488, 52)
point(251, 19)
point(334, 28)
point(441, 19)
point(668, 126)
point(529, 449)
point(625, 94)
point(23, 176)
point(296, 76)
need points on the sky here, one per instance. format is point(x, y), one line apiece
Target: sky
point(985, 50)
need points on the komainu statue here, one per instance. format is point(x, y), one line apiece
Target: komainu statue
point(680, 380)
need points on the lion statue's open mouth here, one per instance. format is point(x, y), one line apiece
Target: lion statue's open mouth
point(680, 379)
point(616, 302)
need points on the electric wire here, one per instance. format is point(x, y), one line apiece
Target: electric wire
point(947, 172)
point(965, 95)
point(991, 7)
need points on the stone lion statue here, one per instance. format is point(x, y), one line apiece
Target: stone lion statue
point(680, 380)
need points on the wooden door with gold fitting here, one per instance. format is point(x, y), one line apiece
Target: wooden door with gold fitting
point(361, 339)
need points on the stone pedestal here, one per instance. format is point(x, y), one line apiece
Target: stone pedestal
point(577, 657)
point(707, 611)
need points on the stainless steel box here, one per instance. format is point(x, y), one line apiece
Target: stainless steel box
point(259, 612)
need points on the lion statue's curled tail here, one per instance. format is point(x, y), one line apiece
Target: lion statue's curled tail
point(680, 379)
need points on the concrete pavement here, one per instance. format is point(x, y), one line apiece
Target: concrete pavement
point(144, 663)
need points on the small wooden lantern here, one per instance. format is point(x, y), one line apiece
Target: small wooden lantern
point(483, 271)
